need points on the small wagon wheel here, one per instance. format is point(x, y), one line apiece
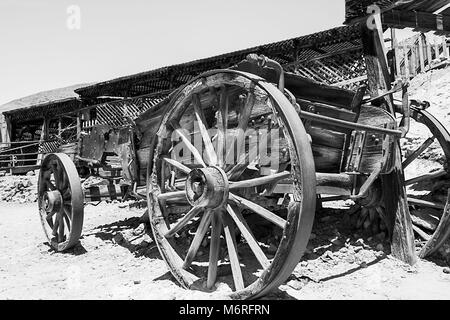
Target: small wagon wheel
point(430, 159)
point(192, 165)
point(60, 201)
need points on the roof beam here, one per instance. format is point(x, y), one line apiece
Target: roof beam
point(417, 20)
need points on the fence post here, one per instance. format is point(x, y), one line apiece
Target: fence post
point(398, 71)
point(413, 60)
point(421, 55)
point(444, 47)
point(436, 49)
point(429, 55)
point(405, 53)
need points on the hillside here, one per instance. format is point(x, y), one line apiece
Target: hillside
point(43, 97)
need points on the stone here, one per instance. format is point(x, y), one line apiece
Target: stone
point(343, 250)
point(30, 173)
point(446, 270)
point(380, 247)
point(336, 242)
point(137, 281)
point(295, 284)
point(359, 242)
point(350, 259)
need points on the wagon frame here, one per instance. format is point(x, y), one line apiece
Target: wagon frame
point(217, 195)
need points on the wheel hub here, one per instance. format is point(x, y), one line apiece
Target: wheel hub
point(52, 201)
point(207, 187)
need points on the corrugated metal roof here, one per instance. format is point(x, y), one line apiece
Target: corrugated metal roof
point(166, 78)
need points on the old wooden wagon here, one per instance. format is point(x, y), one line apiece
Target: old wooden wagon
point(241, 154)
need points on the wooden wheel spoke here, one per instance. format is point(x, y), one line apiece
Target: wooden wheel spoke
point(244, 158)
point(230, 238)
point(61, 229)
point(49, 185)
point(196, 242)
point(187, 217)
point(216, 228)
point(177, 164)
point(418, 152)
point(49, 217)
point(198, 157)
point(201, 121)
point(172, 195)
point(67, 215)
point(428, 176)
point(248, 235)
point(425, 203)
point(56, 224)
point(222, 124)
point(66, 194)
point(260, 181)
point(266, 214)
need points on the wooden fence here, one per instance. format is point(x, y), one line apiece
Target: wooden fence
point(420, 54)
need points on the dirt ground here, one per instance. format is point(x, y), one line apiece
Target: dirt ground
point(103, 267)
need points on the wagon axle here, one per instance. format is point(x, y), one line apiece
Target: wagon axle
point(207, 187)
point(52, 201)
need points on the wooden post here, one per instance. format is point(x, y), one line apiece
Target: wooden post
point(5, 131)
point(42, 138)
point(421, 55)
point(444, 47)
point(405, 53)
point(397, 219)
point(397, 58)
point(429, 55)
point(436, 49)
point(60, 128)
point(413, 60)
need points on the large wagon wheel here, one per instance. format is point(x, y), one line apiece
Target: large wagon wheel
point(428, 163)
point(60, 201)
point(223, 193)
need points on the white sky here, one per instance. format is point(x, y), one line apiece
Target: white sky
point(39, 52)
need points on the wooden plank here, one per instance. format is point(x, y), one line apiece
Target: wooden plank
point(429, 55)
point(436, 49)
point(444, 47)
point(397, 53)
point(398, 219)
point(413, 60)
point(421, 54)
point(406, 62)
point(327, 159)
point(414, 19)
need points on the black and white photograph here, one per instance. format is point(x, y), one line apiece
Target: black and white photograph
point(212, 153)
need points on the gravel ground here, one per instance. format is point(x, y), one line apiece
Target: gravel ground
point(338, 265)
